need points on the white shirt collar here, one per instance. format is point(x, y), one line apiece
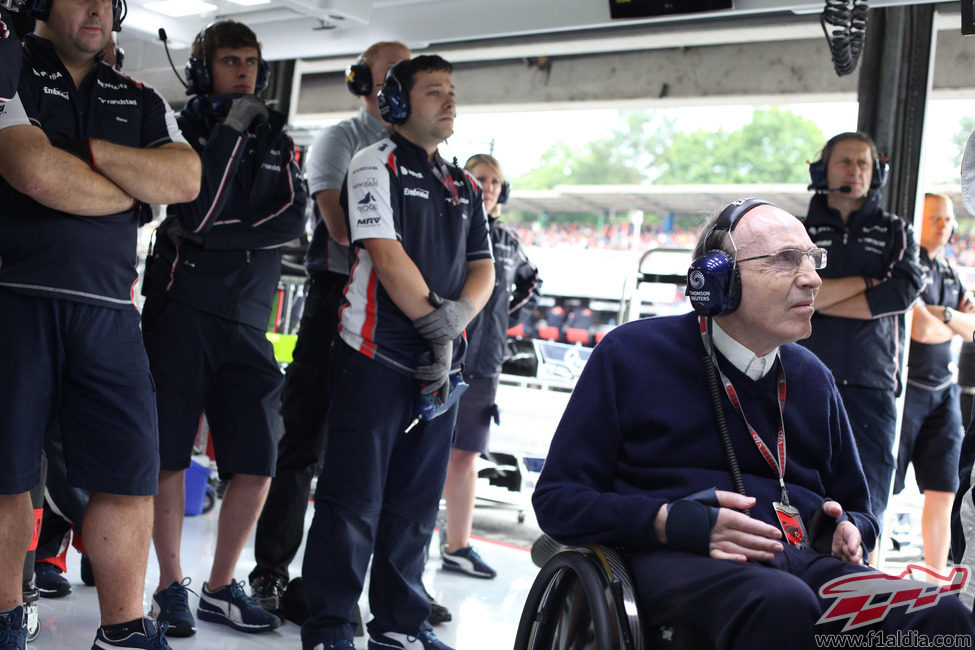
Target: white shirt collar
point(741, 357)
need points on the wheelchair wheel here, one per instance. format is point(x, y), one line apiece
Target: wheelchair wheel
point(582, 599)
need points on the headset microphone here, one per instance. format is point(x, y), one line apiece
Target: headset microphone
point(162, 37)
point(845, 189)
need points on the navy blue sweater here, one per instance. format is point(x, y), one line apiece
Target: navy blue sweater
point(639, 432)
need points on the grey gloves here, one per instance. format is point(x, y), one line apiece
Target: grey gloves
point(244, 111)
point(446, 322)
point(432, 376)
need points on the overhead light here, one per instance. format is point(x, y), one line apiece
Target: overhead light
point(179, 8)
point(248, 3)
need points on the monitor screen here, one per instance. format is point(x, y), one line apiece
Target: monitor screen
point(968, 16)
point(645, 8)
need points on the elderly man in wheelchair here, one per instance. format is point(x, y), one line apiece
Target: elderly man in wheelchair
point(741, 508)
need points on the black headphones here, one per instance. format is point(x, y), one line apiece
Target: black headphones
point(505, 192)
point(713, 280)
point(358, 78)
point(393, 99)
point(198, 72)
point(41, 9)
point(817, 169)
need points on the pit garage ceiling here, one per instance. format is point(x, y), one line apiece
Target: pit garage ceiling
point(469, 30)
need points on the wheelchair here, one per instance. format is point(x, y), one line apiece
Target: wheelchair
point(583, 599)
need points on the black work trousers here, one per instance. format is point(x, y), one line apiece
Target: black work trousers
point(304, 404)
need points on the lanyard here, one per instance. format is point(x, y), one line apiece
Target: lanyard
point(777, 466)
point(441, 172)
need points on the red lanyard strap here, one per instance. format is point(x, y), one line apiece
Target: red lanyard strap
point(777, 467)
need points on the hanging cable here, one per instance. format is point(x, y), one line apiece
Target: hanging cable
point(845, 41)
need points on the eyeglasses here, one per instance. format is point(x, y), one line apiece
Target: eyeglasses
point(790, 259)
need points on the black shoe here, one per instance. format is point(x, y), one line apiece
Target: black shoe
point(49, 581)
point(267, 590)
point(438, 613)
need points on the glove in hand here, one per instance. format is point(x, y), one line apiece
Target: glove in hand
point(244, 111)
point(434, 375)
point(446, 322)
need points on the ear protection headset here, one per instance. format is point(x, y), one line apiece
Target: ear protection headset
point(713, 280)
point(358, 78)
point(41, 9)
point(817, 169)
point(393, 100)
point(198, 71)
point(505, 192)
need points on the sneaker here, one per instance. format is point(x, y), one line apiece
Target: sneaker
point(231, 606)
point(334, 645)
point(13, 631)
point(438, 613)
point(49, 581)
point(87, 573)
point(153, 636)
point(466, 560)
point(171, 606)
point(267, 590)
point(32, 619)
point(424, 640)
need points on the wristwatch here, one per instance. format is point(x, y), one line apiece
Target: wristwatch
point(949, 313)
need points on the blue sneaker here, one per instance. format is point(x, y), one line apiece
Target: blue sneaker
point(424, 640)
point(152, 637)
point(171, 606)
point(13, 630)
point(467, 561)
point(231, 606)
point(49, 581)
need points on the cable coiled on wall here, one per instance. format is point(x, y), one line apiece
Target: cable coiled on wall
point(849, 17)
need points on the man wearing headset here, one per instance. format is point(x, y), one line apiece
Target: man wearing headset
point(872, 279)
point(209, 285)
point(734, 516)
point(423, 268)
point(65, 292)
point(931, 428)
point(304, 400)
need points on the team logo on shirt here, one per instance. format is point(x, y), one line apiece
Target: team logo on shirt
point(416, 191)
point(369, 182)
point(366, 204)
point(54, 91)
point(410, 172)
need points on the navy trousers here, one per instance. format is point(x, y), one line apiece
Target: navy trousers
point(377, 495)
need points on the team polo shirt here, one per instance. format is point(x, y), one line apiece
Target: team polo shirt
point(929, 364)
point(326, 167)
point(393, 192)
point(49, 253)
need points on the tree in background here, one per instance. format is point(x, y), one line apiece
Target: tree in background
point(772, 148)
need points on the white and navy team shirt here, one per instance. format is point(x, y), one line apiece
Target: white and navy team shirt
point(54, 254)
point(436, 211)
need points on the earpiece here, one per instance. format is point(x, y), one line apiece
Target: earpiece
point(41, 9)
point(358, 78)
point(198, 72)
point(393, 99)
point(505, 192)
point(713, 280)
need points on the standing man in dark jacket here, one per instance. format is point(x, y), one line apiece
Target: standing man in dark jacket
point(68, 253)
point(513, 298)
point(872, 279)
point(210, 283)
